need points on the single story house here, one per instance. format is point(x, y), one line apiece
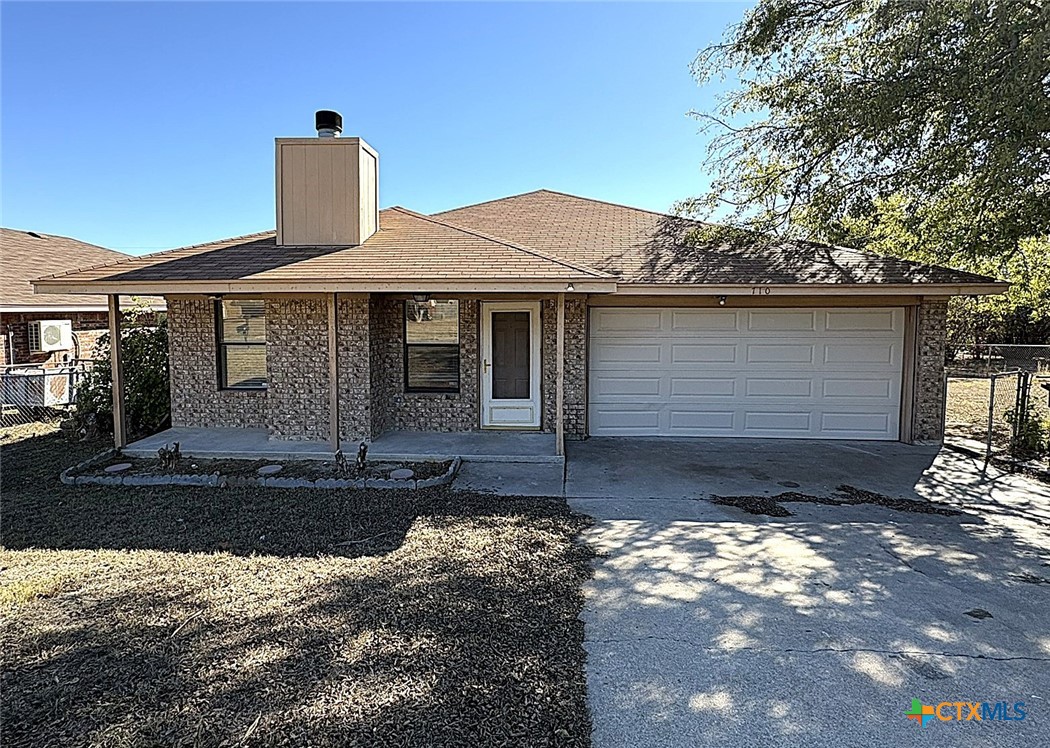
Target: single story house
point(538, 312)
point(56, 329)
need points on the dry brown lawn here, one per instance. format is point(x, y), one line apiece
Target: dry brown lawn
point(196, 617)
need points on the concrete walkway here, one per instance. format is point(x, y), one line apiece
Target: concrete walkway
point(709, 626)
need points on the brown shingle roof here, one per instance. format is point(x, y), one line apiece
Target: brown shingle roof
point(27, 255)
point(642, 247)
point(408, 247)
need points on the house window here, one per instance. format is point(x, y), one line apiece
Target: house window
point(33, 332)
point(240, 328)
point(432, 346)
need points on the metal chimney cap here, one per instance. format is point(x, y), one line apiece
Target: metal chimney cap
point(328, 123)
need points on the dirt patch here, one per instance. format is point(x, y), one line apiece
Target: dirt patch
point(847, 495)
point(262, 617)
point(766, 505)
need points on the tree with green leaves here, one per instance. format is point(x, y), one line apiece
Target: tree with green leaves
point(918, 128)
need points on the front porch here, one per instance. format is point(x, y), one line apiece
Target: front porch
point(392, 446)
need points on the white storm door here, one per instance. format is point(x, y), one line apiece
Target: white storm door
point(510, 365)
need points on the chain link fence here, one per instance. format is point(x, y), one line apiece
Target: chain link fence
point(990, 358)
point(1007, 412)
point(32, 393)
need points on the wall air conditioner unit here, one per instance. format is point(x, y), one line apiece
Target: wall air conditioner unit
point(51, 335)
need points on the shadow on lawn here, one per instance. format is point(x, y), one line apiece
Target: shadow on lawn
point(448, 656)
point(459, 626)
point(40, 512)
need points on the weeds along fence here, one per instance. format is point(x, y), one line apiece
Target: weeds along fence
point(1017, 426)
point(32, 393)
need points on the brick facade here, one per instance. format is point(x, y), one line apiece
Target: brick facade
point(372, 394)
point(297, 398)
point(575, 385)
point(196, 399)
point(356, 405)
point(928, 408)
point(413, 411)
point(372, 397)
point(88, 327)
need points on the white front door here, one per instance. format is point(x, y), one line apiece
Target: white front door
point(510, 364)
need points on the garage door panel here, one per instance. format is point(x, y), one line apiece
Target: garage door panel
point(703, 353)
point(780, 321)
point(627, 386)
point(795, 422)
point(621, 320)
point(854, 424)
point(882, 352)
point(780, 353)
point(778, 387)
point(711, 422)
point(628, 420)
point(630, 353)
point(684, 387)
point(863, 320)
point(880, 389)
point(796, 373)
point(703, 320)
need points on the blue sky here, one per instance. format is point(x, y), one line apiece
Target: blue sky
point(143, 126)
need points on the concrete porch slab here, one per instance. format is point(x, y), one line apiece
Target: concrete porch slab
point(395, 446)
point(229, 443)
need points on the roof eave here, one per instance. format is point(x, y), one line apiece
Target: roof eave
point(814, 289)
point(465, 285)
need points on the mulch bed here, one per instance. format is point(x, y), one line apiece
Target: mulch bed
point(306, 469)
point(265, 617)
point(772, 506)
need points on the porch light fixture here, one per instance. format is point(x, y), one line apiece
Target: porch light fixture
point(570, 288)
point(721, 301)
point(421, 298)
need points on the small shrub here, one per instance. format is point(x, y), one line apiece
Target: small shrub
point(147, 400)
point(1031, 439)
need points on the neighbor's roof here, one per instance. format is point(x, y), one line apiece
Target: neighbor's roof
point(26, 255)
point(642, 247)
point(410, 252)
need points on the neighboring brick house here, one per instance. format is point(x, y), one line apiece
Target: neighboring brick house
point(26, 255)
point(541, 311)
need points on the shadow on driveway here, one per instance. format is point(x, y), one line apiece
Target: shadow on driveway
point(709, 626)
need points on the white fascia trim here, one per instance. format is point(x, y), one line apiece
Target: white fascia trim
point(769, 289)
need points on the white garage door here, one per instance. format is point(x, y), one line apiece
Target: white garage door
point(794, 373)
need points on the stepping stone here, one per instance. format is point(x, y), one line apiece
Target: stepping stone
point(401, 474)
point(120, 467)
point(269, 469)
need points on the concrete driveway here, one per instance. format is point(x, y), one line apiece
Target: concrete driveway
point(706, 625)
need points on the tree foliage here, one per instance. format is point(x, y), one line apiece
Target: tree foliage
point(144, 351)
point(936, 110)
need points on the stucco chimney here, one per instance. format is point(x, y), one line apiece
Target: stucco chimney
point(327, 187)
